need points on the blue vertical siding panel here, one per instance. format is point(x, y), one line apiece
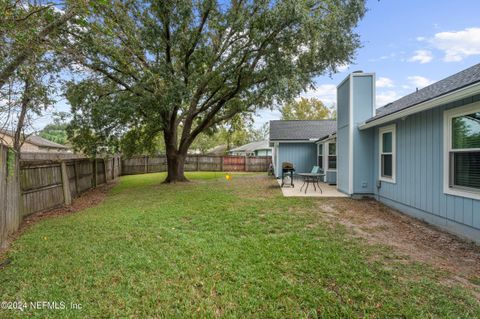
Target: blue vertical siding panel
point(468, 211)
point(476, 213)
point(450, 207)
point(423, 161)
point(436, 145)
point(419, 185)
point(429, 174)
point(362, 97)
point(343, 137)
point(302, 155)
point(459, 209)
point(416, 162)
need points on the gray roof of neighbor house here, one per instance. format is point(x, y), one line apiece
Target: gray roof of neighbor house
point(251, 147)
point(37, 140)
point(217, 150)
point(301, 130)
point(452, 83)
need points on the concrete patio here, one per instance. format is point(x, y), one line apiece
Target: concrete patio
point(327, 190)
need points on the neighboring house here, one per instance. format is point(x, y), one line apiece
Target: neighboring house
point(218, 150)
point(259, 148)
point(304, 144)
point(419, 154)
point(33, 143)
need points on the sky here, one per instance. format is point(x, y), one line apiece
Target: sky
point(409, 44)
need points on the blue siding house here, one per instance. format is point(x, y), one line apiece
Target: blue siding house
point(419, 154)
point(304, 144)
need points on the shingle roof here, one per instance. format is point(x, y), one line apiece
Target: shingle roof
point(452, 83)
point(251, 147)
point(40, 141)
point(37, 140)
point(301, 130)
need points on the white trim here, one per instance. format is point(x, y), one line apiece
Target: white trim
point(374, 97)
point(447, 147)
point(350, 133)
point(388, 129)
point(327, 166)
point(444, 99)
point(275, 158)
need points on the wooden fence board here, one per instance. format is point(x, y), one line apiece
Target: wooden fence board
point(35, 183)
point(3, 198)
point(153, 164)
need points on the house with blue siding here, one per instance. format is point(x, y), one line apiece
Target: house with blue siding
point(419, 154)
point(304, 144)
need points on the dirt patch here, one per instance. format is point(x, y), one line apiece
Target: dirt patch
point(410, 237)
point(88, 199)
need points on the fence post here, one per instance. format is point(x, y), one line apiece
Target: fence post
point(67, 196)
point(94, 173)
point(104, 171)
point(245, 169)
point(113, 168)
point(77, 170)
point(146, 164)
point(3, 199)
point(198, 168)
point(221, 164)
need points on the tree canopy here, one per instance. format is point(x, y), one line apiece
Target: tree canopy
point(306, 109)
point(180, 68)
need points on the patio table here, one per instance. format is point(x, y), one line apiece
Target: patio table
point(313, 178)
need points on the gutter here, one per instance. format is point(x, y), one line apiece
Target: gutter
point(423, 106)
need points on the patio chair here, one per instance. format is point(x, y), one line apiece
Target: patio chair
point(312, 178)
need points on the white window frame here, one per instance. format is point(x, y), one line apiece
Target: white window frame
point(327, 164)
point(447, 148)
point(323, 154)
point(387, 129)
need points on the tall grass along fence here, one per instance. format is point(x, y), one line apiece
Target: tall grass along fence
point(46, 181)
point(152, 164)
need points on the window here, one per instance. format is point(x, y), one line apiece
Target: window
point(387, 136)
point(462, 151)
point(332, 156)
point(320, 156)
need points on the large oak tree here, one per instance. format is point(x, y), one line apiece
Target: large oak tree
point(181, 67)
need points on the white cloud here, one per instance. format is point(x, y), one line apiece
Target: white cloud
point(343, 67)
point(457, 45)
point(383, 82)
point(386, 97)
point(422, 56)
point(327, 93)
point(419, 81)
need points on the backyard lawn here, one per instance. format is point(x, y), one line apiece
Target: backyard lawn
point(215, 248)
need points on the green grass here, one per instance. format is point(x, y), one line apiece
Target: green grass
point(215, 248)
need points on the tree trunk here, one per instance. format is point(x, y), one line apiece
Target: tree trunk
point(175, 168)
point(175, 161)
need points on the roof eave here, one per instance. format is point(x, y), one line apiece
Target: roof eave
point(423, 106)
point(283, 140)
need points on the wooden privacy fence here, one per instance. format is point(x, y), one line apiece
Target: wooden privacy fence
point(49, 184)
point(152, 164)
point(39, 182)
point(9, 194)
point(46, 184)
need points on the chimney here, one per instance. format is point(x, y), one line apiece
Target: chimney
point(355, 105)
